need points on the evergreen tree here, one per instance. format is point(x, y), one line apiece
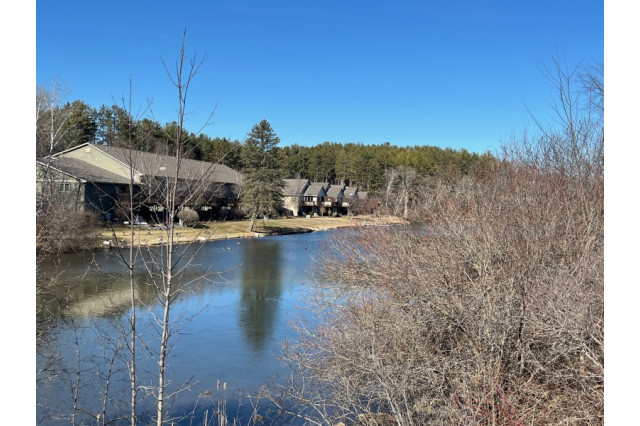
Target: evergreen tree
point(220, 150)
point(262, 182)
point(149, 136)
point(294, 161)
point(113, 125)
point(322, 161)
point(81, 126)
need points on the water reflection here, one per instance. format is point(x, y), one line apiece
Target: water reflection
point(234, 323)
point(96, 295)
point(88, 285)
point(261, 287)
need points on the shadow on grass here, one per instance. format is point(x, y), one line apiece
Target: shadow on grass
point(281, 230)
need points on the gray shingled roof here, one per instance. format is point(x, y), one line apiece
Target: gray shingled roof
point(83, 170)
point(351, 192)
point(314, 188)
point(334, 191)
point(294, 187)
point(151, 164)
point(363, 195)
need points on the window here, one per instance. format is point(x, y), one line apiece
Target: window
point(65, 187)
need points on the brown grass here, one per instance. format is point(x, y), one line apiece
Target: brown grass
point(209, 231)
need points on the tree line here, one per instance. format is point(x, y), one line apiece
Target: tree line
point(355, 164)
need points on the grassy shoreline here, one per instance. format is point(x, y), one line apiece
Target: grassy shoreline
point(210, 231)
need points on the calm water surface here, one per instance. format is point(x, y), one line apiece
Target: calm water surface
point(229, 326)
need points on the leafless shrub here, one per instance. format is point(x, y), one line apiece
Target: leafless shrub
point(492, 313)
point(189, 217)
point(61, 228)
point(489, 310)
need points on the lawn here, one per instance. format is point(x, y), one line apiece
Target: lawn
point(216, 230)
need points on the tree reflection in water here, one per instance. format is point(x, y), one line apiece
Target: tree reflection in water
point(261, 288)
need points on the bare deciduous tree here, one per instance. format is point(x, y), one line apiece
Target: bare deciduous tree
point(60, 223)
point(51, 119)
point(173, 188)
point(402, 188)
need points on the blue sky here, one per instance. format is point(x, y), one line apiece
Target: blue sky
point(457, 74)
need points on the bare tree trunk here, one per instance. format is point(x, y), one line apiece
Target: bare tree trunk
point(390, 184)
point(76, 387)
point(133, 336)
point(130, 263)
point(132, 286)
point(406, 203)
point(169, 292)
point(102, 419)
point(164, 341)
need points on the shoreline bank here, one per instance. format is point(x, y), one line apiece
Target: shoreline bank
point(119, 236)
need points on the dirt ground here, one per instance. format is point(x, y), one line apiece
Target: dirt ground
point(206, 231)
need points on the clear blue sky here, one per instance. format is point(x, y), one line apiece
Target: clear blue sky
point(457, 74)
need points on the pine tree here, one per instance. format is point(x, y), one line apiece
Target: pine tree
point(262, 182)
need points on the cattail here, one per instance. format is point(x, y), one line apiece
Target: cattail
point(224, 386)
point(218, 384)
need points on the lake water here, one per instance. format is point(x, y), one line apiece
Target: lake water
point(231, 326)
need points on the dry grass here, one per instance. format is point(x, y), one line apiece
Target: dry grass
point(208, 231)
